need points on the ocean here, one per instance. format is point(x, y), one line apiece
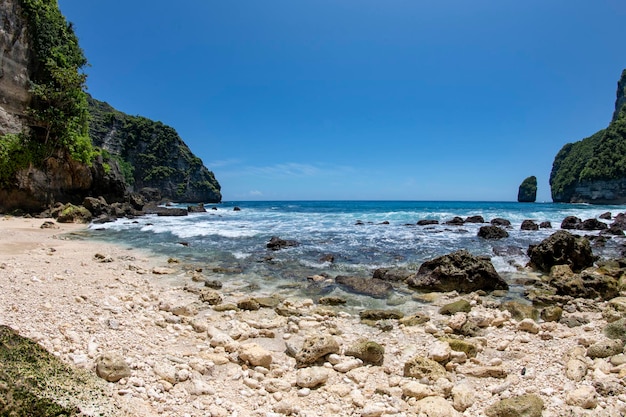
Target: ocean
point(360, 236)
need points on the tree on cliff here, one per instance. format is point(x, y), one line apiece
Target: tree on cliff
point(527, 192)
point(58, 115)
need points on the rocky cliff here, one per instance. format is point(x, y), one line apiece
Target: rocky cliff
point(48, 150)
point(14, 59)
point(593, 170)
point(152, 155)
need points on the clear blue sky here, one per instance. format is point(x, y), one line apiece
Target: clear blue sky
point(362, 99)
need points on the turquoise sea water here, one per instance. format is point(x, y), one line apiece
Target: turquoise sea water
point(361, 235)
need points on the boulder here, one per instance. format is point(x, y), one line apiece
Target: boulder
point(456, 307)
point(255, 355)
point(371, 353)
point(562, 248)
point(393, 275)
point(277, 243)
point(427, 222)
point(74, 214)
point(500, 222)
point(475, 219)
point(381, 315)
point(315, 348)
point(96, 206)
point(545, 225)
point(420, 367)
point(587, 284)
point(456, 221)
point(492, 232)
point(460, 271)
point(112, 367)
point(571, 222)
point(198, 208)
point(606, 216)
point(593, 224)
point(372, 287)
point(529, 225)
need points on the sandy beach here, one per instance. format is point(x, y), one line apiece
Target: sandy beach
point(191, 351)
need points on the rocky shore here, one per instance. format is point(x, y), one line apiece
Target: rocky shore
point(156, 337)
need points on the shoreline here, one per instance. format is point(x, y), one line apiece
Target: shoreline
point(188, 357)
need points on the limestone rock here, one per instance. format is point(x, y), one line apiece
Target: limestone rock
point(528, 325)
point(255, 355)
point(521, 406)
point(585, 397)
point(575, 369)
point(112, 367)
point(435, 407)
point(316, 347)
point(210, 296)
point(616, 329)
point(439, 352)
point(312, 377)
point(605, 348)
point(372, 287)
point(492, 232)
point(420, 367)
point(368, 351)
point(463, 396)
point(417, 390)
point(456, 307)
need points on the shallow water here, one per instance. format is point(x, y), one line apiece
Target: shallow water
point(351, 231)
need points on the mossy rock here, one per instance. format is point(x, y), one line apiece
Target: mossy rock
point(74, 214)
point(380, 315)
point(420, 367)
point(33, 382)
point(616, 330)
point(368, 351)
point(459, 306)
point(461, 345)
point(520, 311)
point(552, 313)
point(521, 406)
point(414, 319)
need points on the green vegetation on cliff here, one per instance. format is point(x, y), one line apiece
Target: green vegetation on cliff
point(58, 114)
point(152, 154)
point(527, 192)
point(600, 157)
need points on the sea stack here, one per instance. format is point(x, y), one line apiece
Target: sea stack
point(528, 190)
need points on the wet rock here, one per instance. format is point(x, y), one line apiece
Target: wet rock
point(545, 225)
point(332, 301)
point(315, 348)
point(500, 222)
point(456, 221)
point(475, 219)
point(312, 377)
point(249, 304)
point(427, 222)
point(492, 232)
point(198, 208)
point(460, 271)
point(171, 212)
point(562, 248)
point(372, 287)
point(571, 223)
point(605, 348)
point(606, 216)
point(370, 352)
point(392, 275)
point(522, 406)
point(277, 243)
point(381, 315)
point(593, 224)
point(529, 225)
point(112, 367)
point(420, 367)
point(414, 319)
point(213, 284)
point(455, 307)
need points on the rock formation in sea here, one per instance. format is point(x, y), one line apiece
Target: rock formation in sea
point(593, 170)
point(527, 192)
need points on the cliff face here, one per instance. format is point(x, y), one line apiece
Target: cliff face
point(156, 155)
point(14, 59)
point(593, 170)
point(527, 192)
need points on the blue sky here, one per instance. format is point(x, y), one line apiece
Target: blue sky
point(362, 99)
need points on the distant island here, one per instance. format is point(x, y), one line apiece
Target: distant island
point(593, 170)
